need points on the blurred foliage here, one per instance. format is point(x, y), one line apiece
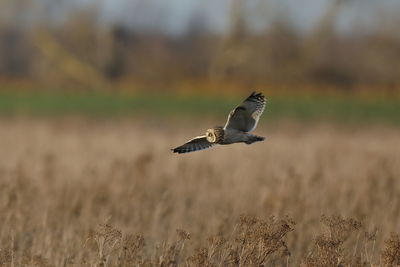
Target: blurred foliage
point(83, 53)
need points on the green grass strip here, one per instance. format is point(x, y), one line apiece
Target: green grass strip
point(106, 104)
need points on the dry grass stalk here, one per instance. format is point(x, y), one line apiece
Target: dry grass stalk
point(253, 243)
point(391, 252)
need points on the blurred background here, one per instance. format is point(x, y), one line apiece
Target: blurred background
point(310, 58)
point(95, 93)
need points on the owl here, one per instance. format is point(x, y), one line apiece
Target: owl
point(242, 120)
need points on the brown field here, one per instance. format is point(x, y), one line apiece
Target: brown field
point(110, 193)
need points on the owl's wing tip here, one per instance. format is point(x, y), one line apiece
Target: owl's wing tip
point(254, 94)
point(178, 151)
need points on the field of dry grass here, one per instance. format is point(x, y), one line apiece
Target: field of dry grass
point(110, 193)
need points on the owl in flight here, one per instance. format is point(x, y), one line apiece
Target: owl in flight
point(242, 120)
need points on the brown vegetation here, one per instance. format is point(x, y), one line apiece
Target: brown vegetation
point(101, 193)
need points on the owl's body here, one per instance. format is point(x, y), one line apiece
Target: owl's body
point(230, 136)
point(242, 120)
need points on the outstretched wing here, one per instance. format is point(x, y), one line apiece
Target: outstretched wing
point(245, 116)
point(197, 143)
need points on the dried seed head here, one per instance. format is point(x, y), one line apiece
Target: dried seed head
point(183, 235)
point(391, 253)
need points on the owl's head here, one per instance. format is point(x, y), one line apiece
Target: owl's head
point(215, 135)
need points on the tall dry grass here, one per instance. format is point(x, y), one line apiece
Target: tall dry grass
point(102, 193)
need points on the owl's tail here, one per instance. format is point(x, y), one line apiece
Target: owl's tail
point(254, 138)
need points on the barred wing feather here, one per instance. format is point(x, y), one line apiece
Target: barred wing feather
point(196, 144)
point(245, 117)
